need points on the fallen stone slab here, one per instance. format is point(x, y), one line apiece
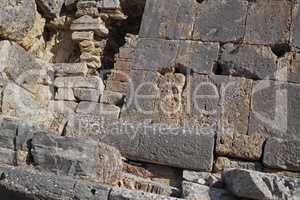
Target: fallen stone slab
point(28, 184)
point(193, 191)
point(93, 82)
point(70, 69)
point(282, 154)
point(50, 8)
point(77, 157)
point(161, 144)
point(17, 18)
point(258, 185)
point(240, 146)
point(125, 194)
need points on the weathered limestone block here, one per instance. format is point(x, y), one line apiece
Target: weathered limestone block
point(124, 194)
point(70, 69)
point(7, 146)
point(93, 82)
point(109, 4)
point(66, 94)
point(157, 54)
point(257, 185)
point(82, 35)
point(167, 20)
point(133, 182)
point(203, 178)
point(17, 65)
point(289, 68)
point(64, 107)
point(18, 102)
point(17, 18)
point(220, 102)
point(254, 62)
point(50, 8)
point(215, 21)
point(103, 110)
point(268, 22)
point(88, 23)
point(240, 146)
point(29, 184)
point(274, 110)
point(77, 157)
point(109, 97)
point(295, 30)
point(282, 154)
point(222, 163)
point(87, 94)
point(165, 145)
point(117, 86)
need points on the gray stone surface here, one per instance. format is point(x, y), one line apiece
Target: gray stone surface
point(254, 62)
point(158, 54)
point(257, 185)
point(203, 178)
point(124, 194)
point(295, 38)
point(70, 69)
point(77, 157)
point(79, 82)
point(17, 18)
point(167, 20)
point(282, 154)
point(66, 94)
point(103, 110)
point(64, 107)
point(28, 184)
point(193, 191)
point(222, 163)
point(268, 22)
point(215, 21)
point(275, 110)
point(86, 94)
point(165, 145)
point(110, 97)
point(50, 8)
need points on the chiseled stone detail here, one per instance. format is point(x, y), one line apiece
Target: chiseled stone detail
point(282, 154)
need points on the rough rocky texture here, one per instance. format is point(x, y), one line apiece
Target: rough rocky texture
point(67, 69)
point(295, 26)
point(203, 178)
point(257, 185)
point(282, 154)
point(79, 82)
point(240, 146)
point(50, 8)
point(222, 163)
point(98, 109)
point(17, 18)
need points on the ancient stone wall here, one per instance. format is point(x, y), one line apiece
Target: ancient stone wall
point(150, 99)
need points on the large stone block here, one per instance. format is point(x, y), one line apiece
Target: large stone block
point(50, 8)
point(86, 94)
point(254, 62)
point(289, 68)
point(29, 184)
point(70, 69)
point(268, 22)
point(275, 109)
point(66, 94)
point(157, 54)
point(257, 185)
point(215, 21)
point(79, 82)
point(17, 18)
point(295, 36)
point(77, 157)
point(167, 20)
point(282, 154)
point(165, 145)
point(240, 146)
point(103, 110)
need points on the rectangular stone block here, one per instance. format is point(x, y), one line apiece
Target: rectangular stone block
point(66, 94)
point(254, 62)
point(79, 82)
point(8, 156)
point(240, 146)
point(82, 35)
point(289, 68)
point(282, 154)
point(222, 163)
point(104, 110)
point(114, 98)
point(295, 30)
point(268, 22)
point(275, 109)
point(167, 20)
point(87, 94)
point(215, 21)
point(70, 69)
point(64, 107)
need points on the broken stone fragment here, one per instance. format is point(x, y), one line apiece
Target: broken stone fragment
point(20, 183)
point(222, 163)
point(87, 94)
point(65, 94)
point(282, 154)
point(50, 8)
point(104, 110)
point(88, 23)
point(77, 157)
point(93, 82)
point(240, 146)
point(268, 22)
point(16, 18)
point(257, 185)
point(67, 69)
